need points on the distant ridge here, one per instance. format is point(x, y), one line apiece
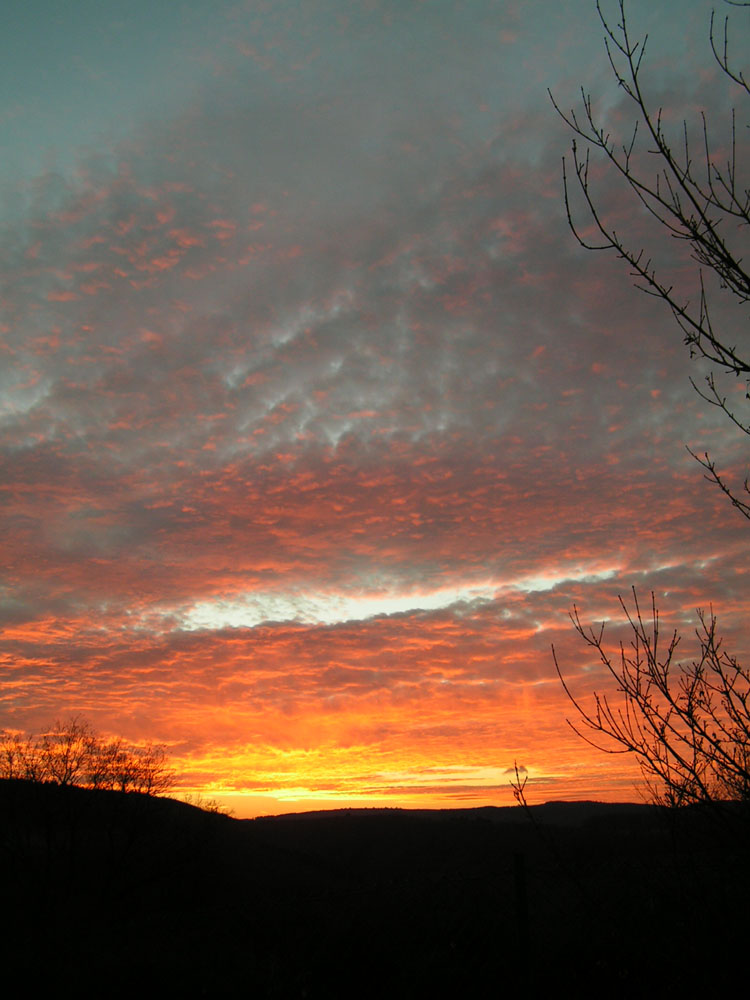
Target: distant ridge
point(563, 811)
point(399, 902)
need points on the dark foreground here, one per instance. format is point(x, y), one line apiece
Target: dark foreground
point(112, 893)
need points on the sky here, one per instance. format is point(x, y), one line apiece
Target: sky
point(315, 420)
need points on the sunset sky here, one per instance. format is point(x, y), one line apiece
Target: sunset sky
point(316, 421)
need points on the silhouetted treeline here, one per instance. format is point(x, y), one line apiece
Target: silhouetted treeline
point(72, 753)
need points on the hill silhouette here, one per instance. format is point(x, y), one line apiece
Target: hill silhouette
point(120, 891)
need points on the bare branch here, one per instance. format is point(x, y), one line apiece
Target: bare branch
point(702, 205)
point(687, 723)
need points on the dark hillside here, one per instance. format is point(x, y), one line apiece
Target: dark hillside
point(120, 891)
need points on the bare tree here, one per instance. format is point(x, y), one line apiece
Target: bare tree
point(110, 767)
point(15, 756)
point(65, 750)
point(151, 772)
point(688, 723)
point(697, 196)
